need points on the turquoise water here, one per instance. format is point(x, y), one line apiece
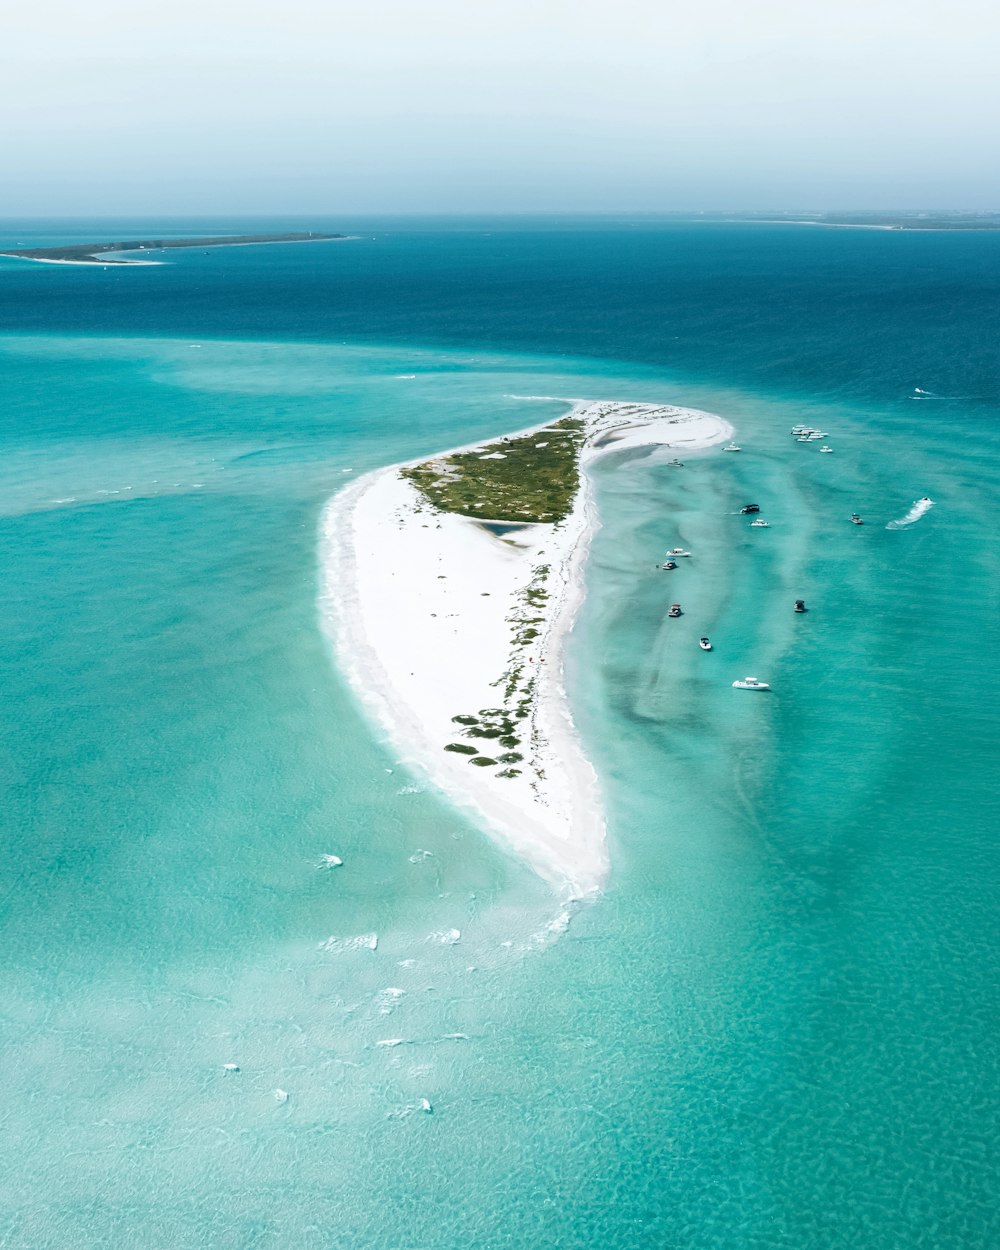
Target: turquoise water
point(777, 1028)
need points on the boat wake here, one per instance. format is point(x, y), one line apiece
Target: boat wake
point(920, 506)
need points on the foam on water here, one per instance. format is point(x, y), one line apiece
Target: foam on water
point(920, 508)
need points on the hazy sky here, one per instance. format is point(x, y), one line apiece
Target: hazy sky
point(399, 105)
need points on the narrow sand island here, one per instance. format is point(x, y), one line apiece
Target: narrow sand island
point(450, 585)
point(112, 253)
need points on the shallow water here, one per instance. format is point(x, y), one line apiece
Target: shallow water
point(775, 1029)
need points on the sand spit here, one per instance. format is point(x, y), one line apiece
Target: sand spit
point(425, 609)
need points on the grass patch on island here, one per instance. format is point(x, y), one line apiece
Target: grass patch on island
point(532, 479)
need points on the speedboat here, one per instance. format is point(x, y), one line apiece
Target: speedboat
point(826, 449)
point(800, 605)
point(670, 564)
point(675, 464)
point(801, 429)
point(802, 438)
point(760, 525)
point(815, 435)
point(855, 519)
point(750, 683)
point(675, 610)
point(732, 447)
point(676, 552)
point(750, 507)
point(705, 644)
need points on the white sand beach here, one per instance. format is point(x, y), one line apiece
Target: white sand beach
point(423, 608)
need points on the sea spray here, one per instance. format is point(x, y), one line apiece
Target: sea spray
point(920, 506)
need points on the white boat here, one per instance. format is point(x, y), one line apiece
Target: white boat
point(675, 553)
point(811, 438)
point(803, 438)
point(732, 447)
point(705, 644)
point(760, 525)
point(801, 429)
point(827, 449)
point(750, 683)
point(675, 464)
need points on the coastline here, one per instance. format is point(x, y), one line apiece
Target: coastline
point(427, 611)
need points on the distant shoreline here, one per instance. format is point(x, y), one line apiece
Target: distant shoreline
point(955, 227)
point(102, 253)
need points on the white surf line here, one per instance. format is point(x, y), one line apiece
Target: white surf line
point(420, 605)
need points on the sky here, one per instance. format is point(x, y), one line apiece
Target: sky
point(396, 106)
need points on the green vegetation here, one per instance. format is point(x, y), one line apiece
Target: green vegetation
point(502, 725)
point(462, 748)
point(534, 479)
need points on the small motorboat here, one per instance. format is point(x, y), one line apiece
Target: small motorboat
point(675, 463)
point(749, 507)
point(675, 553)
point(675, 610)
point(750, 683)
point(803, 438)
point(760, 524)
point(827, 449)
point(732, 447)
point(670, 564)
point(855, 519)
point(815, 435)
point(705, 644)
point(801, 429)
point(800, 605)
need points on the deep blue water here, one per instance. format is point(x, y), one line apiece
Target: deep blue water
point(776, 1029)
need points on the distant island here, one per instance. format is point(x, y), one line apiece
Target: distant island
point(874, 220)
point(99, 253)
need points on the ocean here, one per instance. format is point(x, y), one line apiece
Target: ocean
point(776, 1028)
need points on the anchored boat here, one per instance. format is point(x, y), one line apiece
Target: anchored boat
point(750, 683)
point(705, 644)
point(675, 610)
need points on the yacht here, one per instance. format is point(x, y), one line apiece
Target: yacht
point(750, 683)
point(675, 553)
point(705, 644)
point(732, 447)
point(760, 525)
